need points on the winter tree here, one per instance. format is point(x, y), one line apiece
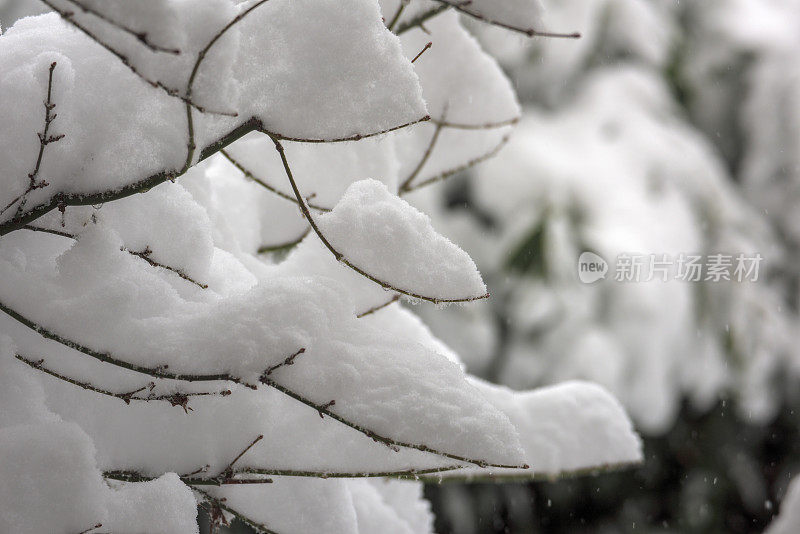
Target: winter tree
point(203, 242)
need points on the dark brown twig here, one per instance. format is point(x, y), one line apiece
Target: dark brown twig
point(249, 174)
point(44, 139)
point(142, 37)
point(340, 257)
point(156, 372)
point(447, 174)
point(163, 372)
point(484, 126)
point(396, 18)
point(405, 186)
point(419, 20)
point(69, 17)
point(378, 307)
point(145, 255)
point(88, 530)
point(424, 49)
point(179, 399)
point(266, 249)
point(389, 442)
point(217, 506)
point(287, 361)
point(463, 7)
point(82, 199)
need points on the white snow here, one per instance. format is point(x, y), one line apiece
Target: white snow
point(386, 237)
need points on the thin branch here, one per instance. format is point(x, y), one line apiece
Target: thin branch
point(228, 471)
point(145, 255)
point(44, 140)
point(156, 372)
point(405, 186)
point(249, 174)
point(163, 372)
point(179, 399)
point(81, 199)
point(217, 481)
point(356, 137)
point(484, 126)
point(287, 361)
point(396, 17)
point(142, 37)
point(420, 19)
point(447, 174)
point(389, 442)
point(69, 17)
point(378, 307)
point(403, 474)
point(43, 230)
point(468, 478)
point(424, 49)
point(265, 249)
point(463, 7)
point(340, 257)
point(219, 505)
point(88, 530)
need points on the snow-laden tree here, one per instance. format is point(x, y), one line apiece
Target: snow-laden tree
point(202, 248)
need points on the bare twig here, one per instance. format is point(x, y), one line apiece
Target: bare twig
point(396, 18)
point(403, 474)
point(484, 126)
point(218, 506)
point(88, 530)
point(69, 16)
point(217, 480)
point(389, 442)
point(463, 7)
point(419, 20)
point(265, 249)
point(340, 257)
point(228, 471)
point(405, 186)
point(424, 49)
point(249, 174)
point(145, 255)
point(163, 372)
point(156, 372)
point(447, 174)
point(44, 139)
point(355, 137)
point(287, 361)
point(378, 307)
point(142, 37)
point(179, 399)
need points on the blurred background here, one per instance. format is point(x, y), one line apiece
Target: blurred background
point(672, 127)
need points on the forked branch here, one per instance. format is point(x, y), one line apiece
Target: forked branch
point(45, 139)
point(142, 37)
point(163, 372)
point(263, 183)
point(461, 168)
point(340, 257)
point(142, 394)
point(464, 7)
point(217, 506)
